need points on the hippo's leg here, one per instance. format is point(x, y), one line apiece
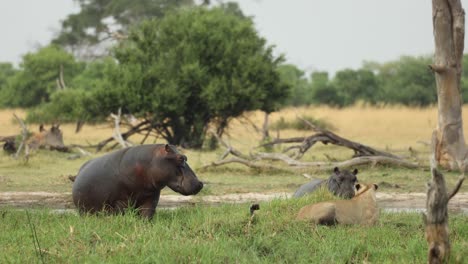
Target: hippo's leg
point(147, 206)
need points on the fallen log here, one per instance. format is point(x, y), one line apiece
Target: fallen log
point(326, 137)
point(372, 160)
point(255, 160)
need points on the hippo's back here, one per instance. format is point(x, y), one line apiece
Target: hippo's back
point(97, 181)
point(308, 187)
point(110, 179)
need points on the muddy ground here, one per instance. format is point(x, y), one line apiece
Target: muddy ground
point(386, 201)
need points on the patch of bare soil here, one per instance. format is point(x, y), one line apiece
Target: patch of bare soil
point(387, 201)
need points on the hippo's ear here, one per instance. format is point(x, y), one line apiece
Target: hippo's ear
point(336, 170)
point(355, 171)
point(357, 186)
point(375, 186)
point(168, 149)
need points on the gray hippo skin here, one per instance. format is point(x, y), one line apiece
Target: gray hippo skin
point(340, 183)
point(132, 177)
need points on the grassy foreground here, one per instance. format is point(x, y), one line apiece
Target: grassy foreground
point(217, 235)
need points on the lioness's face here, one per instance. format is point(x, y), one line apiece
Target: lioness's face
point(360, 188)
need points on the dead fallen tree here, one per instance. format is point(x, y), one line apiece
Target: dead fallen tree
point(262, 160)
point(326, 137)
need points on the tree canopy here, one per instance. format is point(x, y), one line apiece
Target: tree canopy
point(37, 77)
point(101, 20)
point(192, 68)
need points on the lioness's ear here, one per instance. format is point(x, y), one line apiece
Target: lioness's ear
point(336, 170)
point(41, 128)
point(355, 171)
point(358, 186)
point(376, 186)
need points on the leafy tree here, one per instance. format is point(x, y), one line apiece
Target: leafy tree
point(192, 68)
point(96, 75)
point(407, 81)
point(37, 78)
point(6, 71)
point(300, 93)
point(352, 85)
point(101, 20)
point(323, 92)
point(464, 79)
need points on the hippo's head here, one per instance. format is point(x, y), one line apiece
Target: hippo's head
point(182, 179)
point(342, 183)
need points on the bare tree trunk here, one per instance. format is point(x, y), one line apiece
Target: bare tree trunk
point(449, 31)
point(436, 217)
point(265, 134)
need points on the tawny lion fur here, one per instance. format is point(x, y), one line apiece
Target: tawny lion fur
point(361, 209)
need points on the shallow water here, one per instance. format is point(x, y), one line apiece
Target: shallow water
point(62, 203)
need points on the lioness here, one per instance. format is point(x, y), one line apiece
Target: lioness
point(361, 209)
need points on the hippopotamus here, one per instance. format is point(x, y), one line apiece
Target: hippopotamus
point(133, 177)
point(340, 183)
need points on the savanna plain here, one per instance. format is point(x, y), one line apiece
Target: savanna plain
point(225, 233)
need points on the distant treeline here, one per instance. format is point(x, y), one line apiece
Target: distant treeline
point(406, 81)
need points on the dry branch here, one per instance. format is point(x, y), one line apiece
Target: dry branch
point(248, 163)
point(325, 136)
point(373, 160)
point(24, 137)
point(436, 219)
point(229, 148)
point(255, 161)
point(117, 135)
point(142, 126)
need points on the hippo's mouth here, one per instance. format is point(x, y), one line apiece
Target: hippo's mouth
point(191, 190)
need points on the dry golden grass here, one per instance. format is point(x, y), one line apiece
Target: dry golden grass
point(392, 126)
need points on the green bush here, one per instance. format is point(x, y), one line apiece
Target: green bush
point(36, 80)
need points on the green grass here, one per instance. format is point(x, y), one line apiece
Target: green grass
point(202, 234)
point(48, 171)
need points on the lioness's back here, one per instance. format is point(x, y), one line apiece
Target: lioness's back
point(362, 209)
